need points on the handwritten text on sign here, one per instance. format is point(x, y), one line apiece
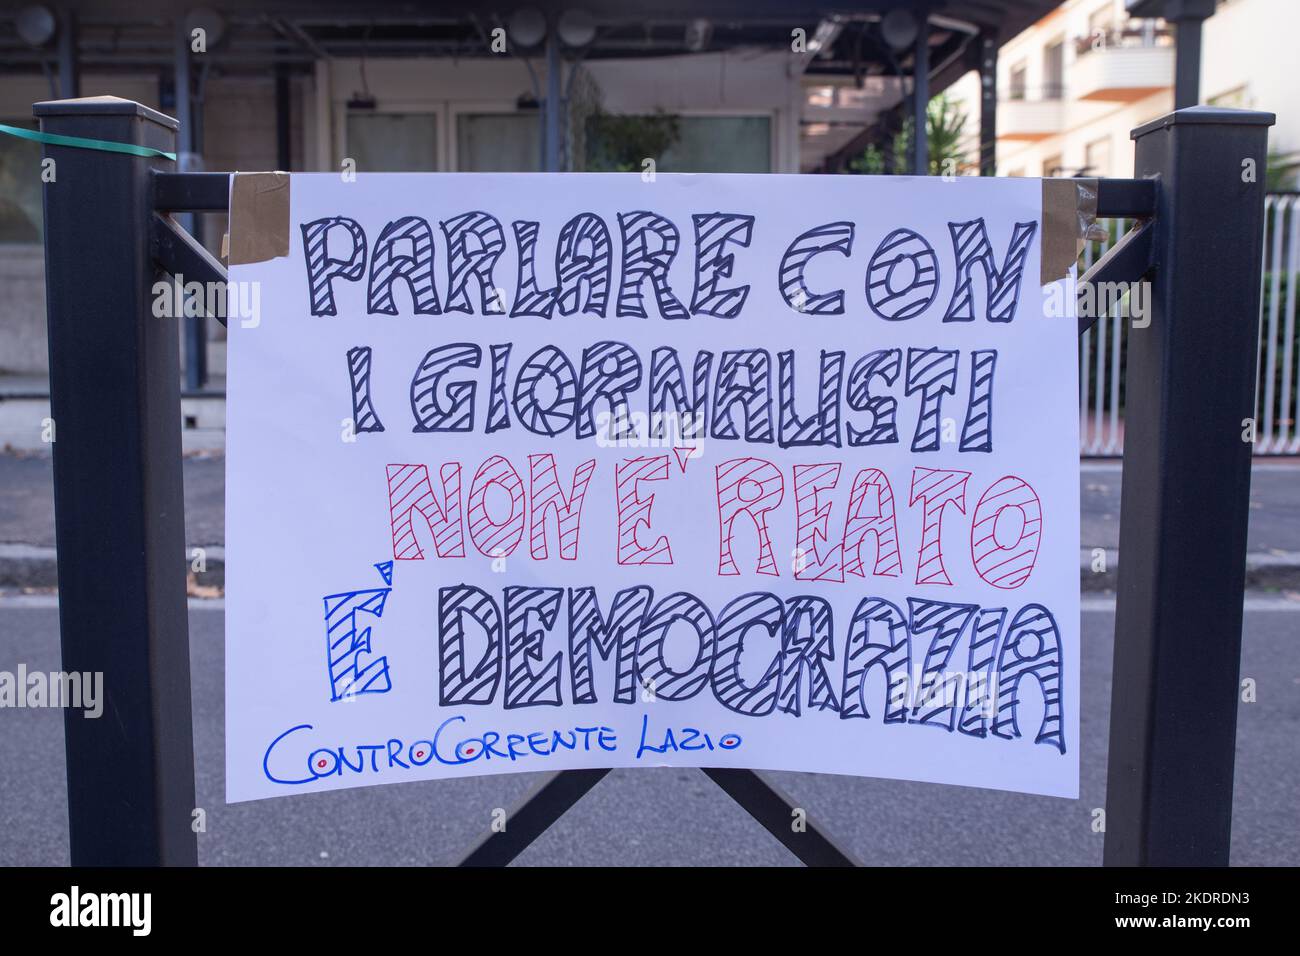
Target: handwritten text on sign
point(535, 472)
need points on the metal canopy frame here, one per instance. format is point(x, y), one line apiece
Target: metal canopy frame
point(298, 32)
point(120, 525)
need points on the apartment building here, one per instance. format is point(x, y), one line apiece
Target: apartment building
point(1072, 86)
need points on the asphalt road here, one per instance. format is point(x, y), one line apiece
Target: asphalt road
point(661, 816)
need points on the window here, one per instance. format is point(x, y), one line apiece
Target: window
point(20, 187)
point(680, 144)
point(393, 142)
point(1016, 87)
point(1054, 71)
point(498, 142)
point(720, 144)
point(1096, 157)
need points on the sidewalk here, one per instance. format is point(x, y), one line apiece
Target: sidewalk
point(27, 556)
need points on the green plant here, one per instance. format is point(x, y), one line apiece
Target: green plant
point(945, 124)
point(1281, 174)
point(618, 143)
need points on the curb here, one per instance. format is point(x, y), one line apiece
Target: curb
point(34, 566)
point(1265, 570)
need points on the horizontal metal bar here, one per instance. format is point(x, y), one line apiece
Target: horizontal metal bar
point(1126, 261)
point(191, 192)
point(772, 808)
point(1126, 198)
point(179, 254)
point(532, 816)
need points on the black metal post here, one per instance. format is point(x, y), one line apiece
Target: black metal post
point(69, 67)
point(196, 328)
point(283, 95)
point(988, 72)
point(119, 510)
point(890, 125)
point(921, 97)
point(552, 106)
point(1190, 389)
point(1186, 16)
point(1187, 63)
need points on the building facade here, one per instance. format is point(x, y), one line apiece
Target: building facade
point(1072, 86)
point(757, 86)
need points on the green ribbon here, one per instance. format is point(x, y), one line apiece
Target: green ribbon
point(108, 146)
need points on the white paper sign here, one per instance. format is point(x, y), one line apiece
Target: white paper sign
point(535, 472)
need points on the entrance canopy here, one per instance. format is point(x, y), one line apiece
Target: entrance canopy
point(873, 54)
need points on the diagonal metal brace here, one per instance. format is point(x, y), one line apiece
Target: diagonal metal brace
point(178, 253)
point(772, 808)
point(1126, 261)
point(532, 816)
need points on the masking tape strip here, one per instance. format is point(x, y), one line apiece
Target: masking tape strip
point(259, 217)
point(1069, 220)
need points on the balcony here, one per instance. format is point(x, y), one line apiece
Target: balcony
point(1122, 65)
point(1029, 118)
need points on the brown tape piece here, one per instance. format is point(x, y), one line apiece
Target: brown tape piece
point(259, 217)
point(1069, 220)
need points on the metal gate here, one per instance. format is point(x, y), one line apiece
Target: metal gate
point(1101, 348)
point(1277, 398)
point(1191, 373)
point(1101, 373)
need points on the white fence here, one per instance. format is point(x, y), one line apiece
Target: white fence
point(1276, 396)
point(1101, 369)
point(1101, 348)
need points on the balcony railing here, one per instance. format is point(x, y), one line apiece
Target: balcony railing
point(1136, 34)
point(1020, 94)
point(1123, 65)
point(1032, 114)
